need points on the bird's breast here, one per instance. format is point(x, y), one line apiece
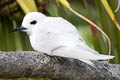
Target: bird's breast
point(43, 42)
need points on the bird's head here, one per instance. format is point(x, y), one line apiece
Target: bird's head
point(30, 21)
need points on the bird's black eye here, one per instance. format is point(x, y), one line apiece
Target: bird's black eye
point(33, 22)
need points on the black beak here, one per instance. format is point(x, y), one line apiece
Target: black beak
point(18, 29)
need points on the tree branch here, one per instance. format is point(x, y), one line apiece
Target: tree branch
point(35, 64)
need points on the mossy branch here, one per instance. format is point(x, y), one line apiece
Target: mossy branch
point(37, 65)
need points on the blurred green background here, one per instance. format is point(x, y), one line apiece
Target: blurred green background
point(11, 16)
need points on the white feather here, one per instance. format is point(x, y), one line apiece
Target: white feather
point(56, 36)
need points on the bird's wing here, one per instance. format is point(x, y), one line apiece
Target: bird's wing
point(60, 25)
point(65, 34)
point(68, 42)
point(70, 46)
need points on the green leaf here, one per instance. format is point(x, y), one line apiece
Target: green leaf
point(27, 5)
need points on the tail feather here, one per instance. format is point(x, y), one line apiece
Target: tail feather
point(88, 62)
point(104, 57)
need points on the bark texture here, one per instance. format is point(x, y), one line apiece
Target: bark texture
point(38, 65)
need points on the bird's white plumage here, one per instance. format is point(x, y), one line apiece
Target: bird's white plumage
point(56, 36)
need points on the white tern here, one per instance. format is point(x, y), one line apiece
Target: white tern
point(56, 36)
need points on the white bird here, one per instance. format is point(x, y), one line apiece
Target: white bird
point(56, 36)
